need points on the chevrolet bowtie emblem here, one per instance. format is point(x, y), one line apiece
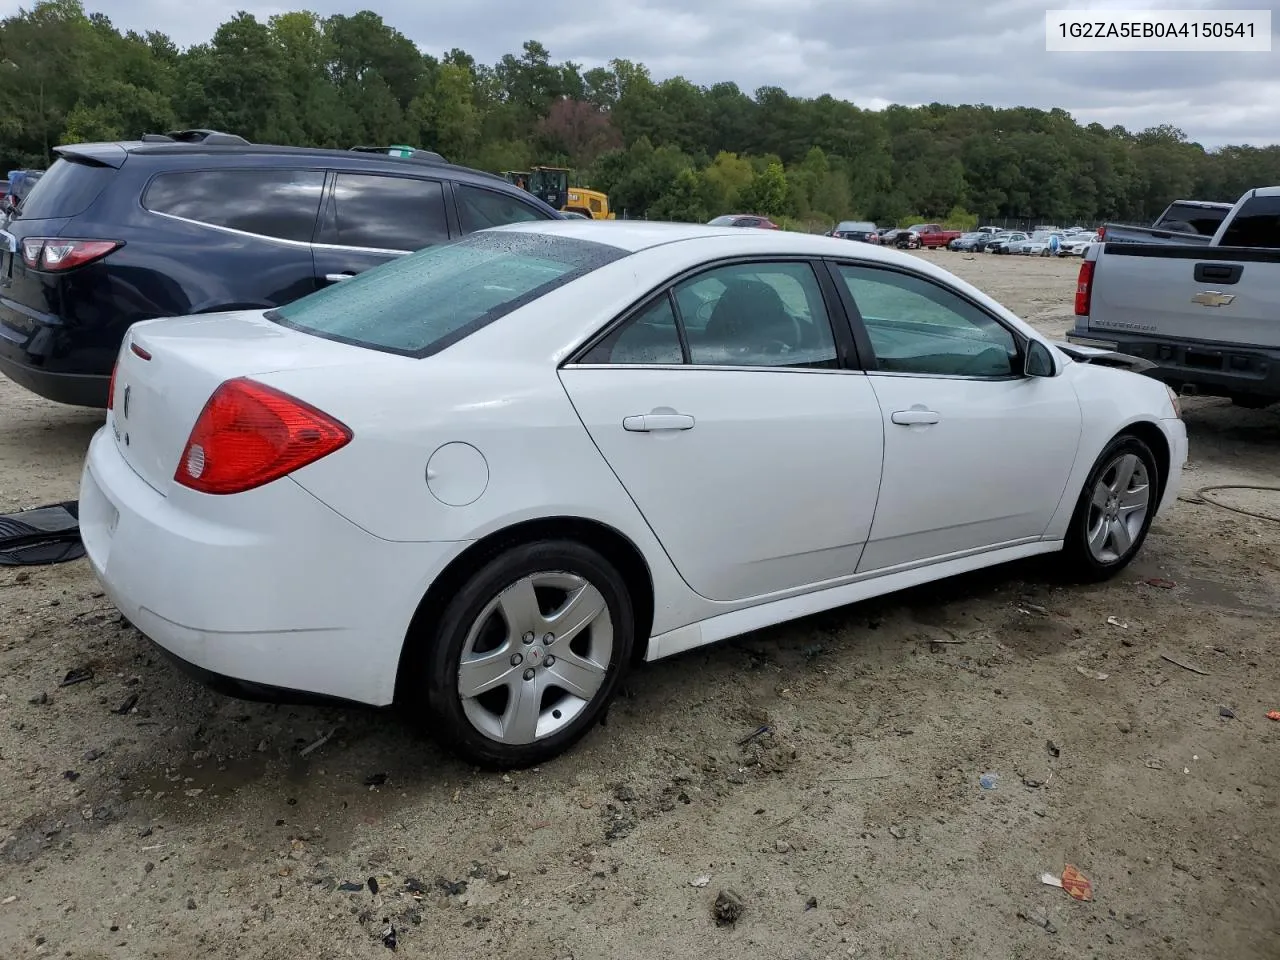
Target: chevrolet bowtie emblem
point(1212, 298)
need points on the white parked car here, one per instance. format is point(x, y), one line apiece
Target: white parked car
point(481, 480)
point(1077, 245)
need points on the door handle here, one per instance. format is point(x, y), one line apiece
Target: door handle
point(649, 422)
point(338, 277)
point(910, 418)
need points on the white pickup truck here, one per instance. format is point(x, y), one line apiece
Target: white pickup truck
point(1207, 315)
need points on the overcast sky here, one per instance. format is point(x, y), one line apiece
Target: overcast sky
point(872, 52)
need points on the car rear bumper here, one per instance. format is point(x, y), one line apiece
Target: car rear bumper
point(74, 389)
point(273, 596)
point(31, 348)
point(1212, 369)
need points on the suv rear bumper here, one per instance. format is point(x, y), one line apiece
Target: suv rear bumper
point(76, 389)
point(1212, 369)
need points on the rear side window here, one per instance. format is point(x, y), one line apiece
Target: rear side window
point(66, 189)
point(1257, 224)
point(419, 304)
point(271, 203)
point(385, 213)
point(479, 208)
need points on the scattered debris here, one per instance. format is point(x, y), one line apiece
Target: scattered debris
point(1050, 880)
point(1039, 919)
point(897, 832)
point(1091, 674)
point(40, 699)
point(1153, 763)
point(989, 781)
point(811, 903)
point(318, 744)
point(1124, 726)
point(373, 885)
point(1052, 748)
point(1118, 623)
point(8, 900)
point(1077, 885)
point(389, 938)
point(1226, 713)
point(1184, 666)
point(877, 776)
point(782, 846)
point(625, 793)
point(130, 702)
point(76, 675)
point(699, 882)
point(1161, 583)
point(1032, 784)
point(70, 775)
point(1273, 715)
point(728, 908)
point(760, 731)
point(1030, 608)
point(375, 779)
point(350, 887)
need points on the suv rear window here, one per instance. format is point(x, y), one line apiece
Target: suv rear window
point(65, 190)
point(418, 304)
point(1256, 225)
point(269, 203)
point(1202, 220)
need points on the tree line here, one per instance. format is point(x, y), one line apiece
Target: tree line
point(661, 148)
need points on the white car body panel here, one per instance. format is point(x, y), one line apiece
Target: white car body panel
point(773, 506)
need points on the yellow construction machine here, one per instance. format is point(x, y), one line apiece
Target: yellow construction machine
point(551, 185)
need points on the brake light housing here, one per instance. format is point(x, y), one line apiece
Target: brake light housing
point(58, 254)
point(249, 434)
point(1084, 287)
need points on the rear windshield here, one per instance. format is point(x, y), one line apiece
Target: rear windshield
point(65, 190)
point(418, 304)
point(1256, 225)
point(1201, 220)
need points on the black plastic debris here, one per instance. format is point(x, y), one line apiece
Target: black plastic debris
point(41, 535)
point(350, 887)
point(76, 675)
point(373, 885)
point(130, 702)
point(389, 938)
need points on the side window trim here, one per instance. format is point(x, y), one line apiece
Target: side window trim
point(863, 338)
point(849, 353)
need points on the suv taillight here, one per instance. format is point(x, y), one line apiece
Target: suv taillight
point(1084, 288)
point(111, 385)
point(55, 254)
point(249, 434)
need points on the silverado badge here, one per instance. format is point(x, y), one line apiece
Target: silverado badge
point(1212, 298)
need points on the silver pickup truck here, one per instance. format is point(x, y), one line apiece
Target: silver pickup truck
point(1207, 316)
point(1183, 221)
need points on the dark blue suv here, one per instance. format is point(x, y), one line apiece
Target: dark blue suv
point(199, 222)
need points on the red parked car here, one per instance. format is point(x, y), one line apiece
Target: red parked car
point(743, 220)
point(925, 235)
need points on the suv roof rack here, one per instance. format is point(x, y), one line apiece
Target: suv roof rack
point(198, 135)
point(401, 150)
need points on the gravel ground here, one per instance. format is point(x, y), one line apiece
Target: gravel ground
point(194, 825)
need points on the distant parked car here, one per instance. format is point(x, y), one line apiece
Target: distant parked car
point(1001, 242)
point(889, 237)
point(862, 230)
point(925, 235)
point(1077, 245)
point(969, 241)
point(743, 220)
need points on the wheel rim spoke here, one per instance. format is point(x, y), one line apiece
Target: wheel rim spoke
point(576, 675)
point(479, 675)
point(1124, 472)
point(1135, 499)
point(1098, 538)
point(1120, 536)
point(524, 708)
point(519, 606)
point(583, 606)
point(1101, 494)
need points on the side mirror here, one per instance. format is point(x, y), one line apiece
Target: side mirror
point(1039, 361)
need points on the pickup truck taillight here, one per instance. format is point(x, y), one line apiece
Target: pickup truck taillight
point(1084, 288)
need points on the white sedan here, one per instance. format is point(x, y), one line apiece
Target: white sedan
point(481, 480)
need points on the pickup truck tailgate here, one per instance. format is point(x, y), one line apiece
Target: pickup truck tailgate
point(1222, 295)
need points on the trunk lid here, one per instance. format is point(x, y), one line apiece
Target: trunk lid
point(167, 370)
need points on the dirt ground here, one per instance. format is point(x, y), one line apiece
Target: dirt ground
point(194, 825)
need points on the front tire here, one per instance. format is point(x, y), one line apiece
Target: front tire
point(527, 655)
point(1114, 512)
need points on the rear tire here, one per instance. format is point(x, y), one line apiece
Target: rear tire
point(1114, 511)
point(502, 682)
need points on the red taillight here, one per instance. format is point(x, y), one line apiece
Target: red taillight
point(1084, 288)
point(54, 254)
point(111, 385)
point(249, 434)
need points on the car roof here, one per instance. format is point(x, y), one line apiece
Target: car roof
point(636, 235)
point(227, 151)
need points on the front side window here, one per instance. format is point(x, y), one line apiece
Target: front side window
point(385, 213)
point(479, 208)
point(916, 326)
point(270, 203)
point(421, 303)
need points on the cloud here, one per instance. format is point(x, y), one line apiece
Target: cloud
point(872, 52)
